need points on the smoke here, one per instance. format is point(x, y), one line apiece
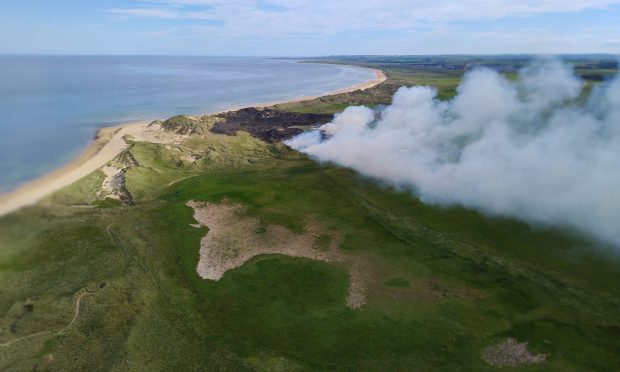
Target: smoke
point(536, 148)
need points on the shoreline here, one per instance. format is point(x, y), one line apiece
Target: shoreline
point(109, 142)
point(379, 78)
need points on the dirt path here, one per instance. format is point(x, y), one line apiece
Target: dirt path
point(77, 311)
point(9, 343)
point(78, 302)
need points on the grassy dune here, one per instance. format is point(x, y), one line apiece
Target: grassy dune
point(463, 282)
point(445, 283)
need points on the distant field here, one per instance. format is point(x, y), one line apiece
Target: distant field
point(443, 284)
point(444, 73)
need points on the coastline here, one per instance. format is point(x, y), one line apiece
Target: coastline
point(109, 142)
point(379, 78)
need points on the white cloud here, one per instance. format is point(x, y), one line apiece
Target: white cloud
point(253, 17)
point(160, 13)
point(145, 12)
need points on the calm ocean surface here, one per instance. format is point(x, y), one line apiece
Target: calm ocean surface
point(51, 107)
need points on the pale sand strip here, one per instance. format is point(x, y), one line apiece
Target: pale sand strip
point(379, 78)
point(108, 143)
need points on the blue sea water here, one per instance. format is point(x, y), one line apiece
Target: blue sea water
point(51, 106)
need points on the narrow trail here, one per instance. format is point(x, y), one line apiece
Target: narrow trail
point(78, 302)
point(9, 343)
point(77, 311)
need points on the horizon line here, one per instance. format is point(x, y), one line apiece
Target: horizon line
point(617, 55)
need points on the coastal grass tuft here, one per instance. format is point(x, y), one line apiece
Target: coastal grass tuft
point(82, 192)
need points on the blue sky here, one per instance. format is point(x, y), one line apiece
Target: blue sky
point(308, 27)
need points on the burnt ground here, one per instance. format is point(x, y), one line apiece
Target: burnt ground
point(267, 124)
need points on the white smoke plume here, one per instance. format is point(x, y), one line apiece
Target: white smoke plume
point(535, 148)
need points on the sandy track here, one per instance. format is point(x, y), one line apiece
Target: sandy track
point(108, 143)
point(78, 302)
point(9, 343)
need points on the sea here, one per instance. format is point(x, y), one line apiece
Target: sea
point(52, 106)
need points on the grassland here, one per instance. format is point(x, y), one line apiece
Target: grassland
point(442, 72)
point(445, 81)
point(446, 283)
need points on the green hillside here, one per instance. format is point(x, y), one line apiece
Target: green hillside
point(88, 283)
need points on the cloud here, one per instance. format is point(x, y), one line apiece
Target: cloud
point(145, 13)
point(278, 17)
point(163, 14)
point(534, 149)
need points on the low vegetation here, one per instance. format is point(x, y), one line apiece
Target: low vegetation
point(442, 72)
point(446, 287)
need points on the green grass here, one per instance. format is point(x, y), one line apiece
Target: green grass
point(397, 282)
point(323, 242)
point(497, 277)
point(444, 75)
point(443, 284)
point(82, 192)
point(159, 166)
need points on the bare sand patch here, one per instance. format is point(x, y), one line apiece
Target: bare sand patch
point(111, 182)
point(153, 132)
point(233, 239)
point(511, 353)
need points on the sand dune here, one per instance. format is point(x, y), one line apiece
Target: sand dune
point(108, 143)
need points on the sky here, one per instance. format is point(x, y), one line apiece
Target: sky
point(308, 27)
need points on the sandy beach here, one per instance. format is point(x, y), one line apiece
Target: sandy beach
point(108, 143)
point(378, 79)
